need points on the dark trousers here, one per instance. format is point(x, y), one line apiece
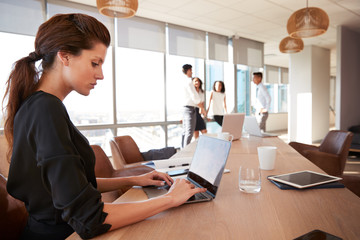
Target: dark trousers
point(263, 117)
point(219, 119)
point(189, 122)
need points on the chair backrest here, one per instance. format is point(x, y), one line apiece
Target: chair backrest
point(103, 167)
point(4, 164)
point(13, 215)
point(129, 149)
point(337, 142)
point(117, 158)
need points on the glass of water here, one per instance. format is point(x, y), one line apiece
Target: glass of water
point(249, 179)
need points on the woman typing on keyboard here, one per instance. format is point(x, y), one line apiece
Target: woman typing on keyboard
point(52, 164)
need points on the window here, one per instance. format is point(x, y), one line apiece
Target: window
point(9, 47)
point(243, 89)
point(99, 137)
point(139, 85)
point(174, 135)
point(271, 90)
point(146, 138)
point(282, 98)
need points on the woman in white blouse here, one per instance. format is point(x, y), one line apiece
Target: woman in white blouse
point(218, 102)
point(200, 123)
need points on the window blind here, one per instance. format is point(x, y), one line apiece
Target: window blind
point(248, 52)
point(186, 42)
point(21, 17)
point(271, 74)
point(218, 47)
point(141, 33)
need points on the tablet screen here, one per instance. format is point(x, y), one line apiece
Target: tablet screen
point(304, 179)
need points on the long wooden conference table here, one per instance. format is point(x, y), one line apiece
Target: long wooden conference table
point(270, 214)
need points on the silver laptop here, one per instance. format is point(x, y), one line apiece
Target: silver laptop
point(206, 169)
point(251, 126)
point(233, 124)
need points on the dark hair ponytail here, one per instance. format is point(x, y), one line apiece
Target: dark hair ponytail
point(69, 33)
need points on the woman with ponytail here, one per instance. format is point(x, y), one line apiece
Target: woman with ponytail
point(52, 164)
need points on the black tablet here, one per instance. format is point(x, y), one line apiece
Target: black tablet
point(304, 179)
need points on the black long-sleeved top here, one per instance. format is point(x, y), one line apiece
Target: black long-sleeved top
point(52, 172)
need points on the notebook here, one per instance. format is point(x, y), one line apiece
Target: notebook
point(251, 126)
point(233, 124)
point(206, 169)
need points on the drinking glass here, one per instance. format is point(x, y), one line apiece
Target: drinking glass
point(249, 179)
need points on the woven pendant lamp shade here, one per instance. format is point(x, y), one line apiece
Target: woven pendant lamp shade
point(307, 22)
point(117, 8)
point(291, 45)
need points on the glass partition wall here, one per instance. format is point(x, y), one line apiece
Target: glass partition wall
point(140, 94)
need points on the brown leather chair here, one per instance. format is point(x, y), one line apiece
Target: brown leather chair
point(118, 160)
point(4, 164)
point(13, 215)
point(332, 153)
point(128, 149)
point(104, 169)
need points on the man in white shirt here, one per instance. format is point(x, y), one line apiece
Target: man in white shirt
point(191, 100)
point(263, 100)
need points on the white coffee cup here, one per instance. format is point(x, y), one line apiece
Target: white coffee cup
point(225, 136)
point(267, 156)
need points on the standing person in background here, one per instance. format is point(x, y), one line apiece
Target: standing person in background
point(218, 101)
point(200, 123)
point(191, 101)
point(263, 100)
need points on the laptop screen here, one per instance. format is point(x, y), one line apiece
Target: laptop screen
point(208, 162)
point(233, 123)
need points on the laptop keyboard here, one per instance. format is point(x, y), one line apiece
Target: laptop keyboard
point(198, 196)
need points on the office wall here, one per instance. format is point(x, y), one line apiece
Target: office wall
point(309, 94)
point(347, 78)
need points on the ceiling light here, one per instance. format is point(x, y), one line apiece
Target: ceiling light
point(117, 8)
point(308, 22)
point(291, 45)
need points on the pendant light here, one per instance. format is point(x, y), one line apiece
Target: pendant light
point(117, 8)
point(307, 22)
point(291, 45)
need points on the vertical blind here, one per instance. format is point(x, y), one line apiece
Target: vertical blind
point(141, 33)
point(55, 7)
point(186, 42)
point(248, 52)
point(21, 17)
point(218, 47)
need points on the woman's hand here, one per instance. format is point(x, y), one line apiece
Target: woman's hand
point(153, 178)
point(182, 190)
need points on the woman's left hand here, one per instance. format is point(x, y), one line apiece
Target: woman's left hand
point(154, 178)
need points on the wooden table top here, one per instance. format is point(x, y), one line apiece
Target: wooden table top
point(270, 214)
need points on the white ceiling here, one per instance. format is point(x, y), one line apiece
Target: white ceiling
point(260, 20)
